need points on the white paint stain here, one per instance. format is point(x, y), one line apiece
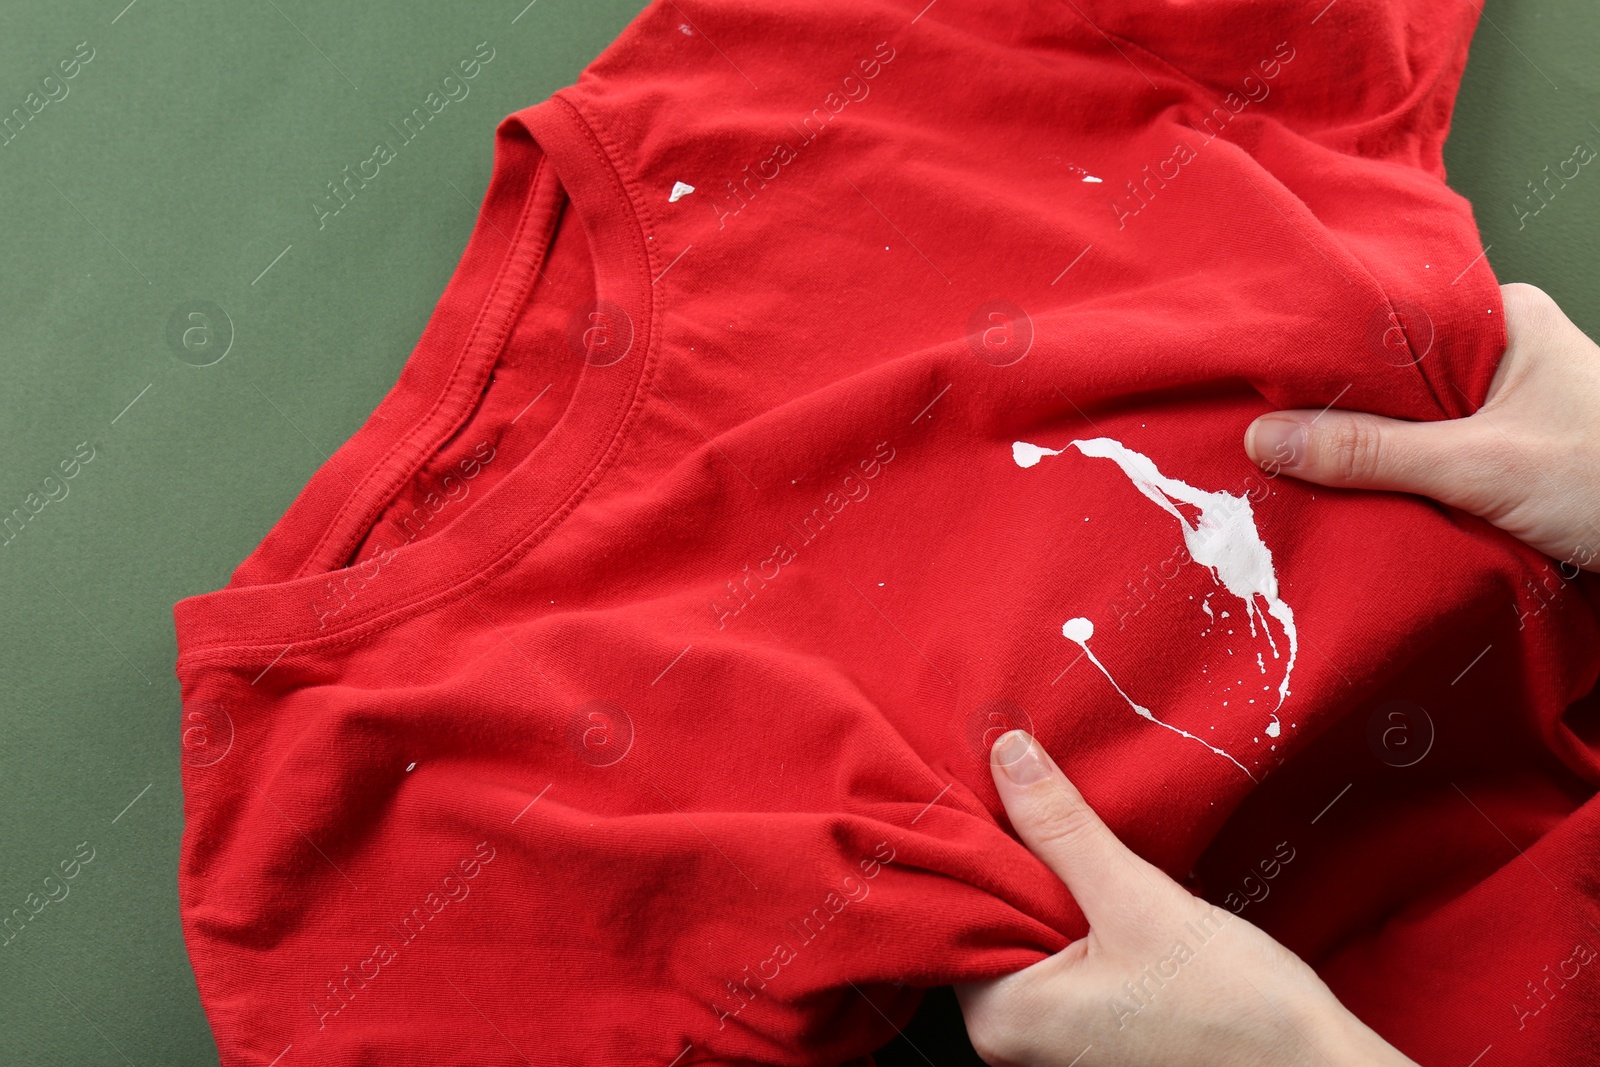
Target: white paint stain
point(679, 191)
point(1091, 178)
point(1080, 630)
point(1028, 455)
point(1223, 538)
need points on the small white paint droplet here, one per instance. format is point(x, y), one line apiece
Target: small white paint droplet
point(1274, 727)
point(1091, 178)
point(409, 766)
point(1079, 630)
point(679, 191)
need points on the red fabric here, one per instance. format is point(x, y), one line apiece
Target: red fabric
point(620, 691)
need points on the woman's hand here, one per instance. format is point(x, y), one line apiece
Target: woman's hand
point(1162, 977)
point(1527, 460)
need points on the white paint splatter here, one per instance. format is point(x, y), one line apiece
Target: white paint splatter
point(1091, 178)
point(679, 191)
point(1027, 455)
point(1080, 630)
point(1223, 538)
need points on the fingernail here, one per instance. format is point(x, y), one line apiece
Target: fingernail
point(1020, 757)
point(1276, 442)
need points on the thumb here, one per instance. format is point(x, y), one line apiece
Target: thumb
point(1104, 876)
point(1354, 450)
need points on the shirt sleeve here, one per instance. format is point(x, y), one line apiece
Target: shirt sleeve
point(1373, 78)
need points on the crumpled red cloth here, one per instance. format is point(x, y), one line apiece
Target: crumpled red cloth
point(825, 388)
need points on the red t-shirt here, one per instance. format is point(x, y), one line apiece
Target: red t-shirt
point(825, 388)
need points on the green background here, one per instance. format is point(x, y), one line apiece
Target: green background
point(180, 168)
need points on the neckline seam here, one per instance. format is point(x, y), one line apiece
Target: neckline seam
point(242, 649)
point(390, 474)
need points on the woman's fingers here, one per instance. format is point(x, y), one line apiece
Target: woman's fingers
point(1158, 980)
point(1354, 450)
point(1104, 876)
point(1524, 461)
